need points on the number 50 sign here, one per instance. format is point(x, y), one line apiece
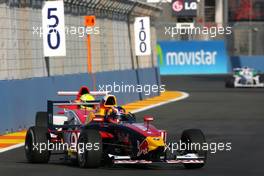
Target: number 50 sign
point(142, 36)
point(53, 28)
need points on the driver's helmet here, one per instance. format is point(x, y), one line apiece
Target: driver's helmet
point(86, 98)
point(246, 71)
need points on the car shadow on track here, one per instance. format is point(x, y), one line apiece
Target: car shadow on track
point(113, 167)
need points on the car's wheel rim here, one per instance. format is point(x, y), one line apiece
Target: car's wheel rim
point(81, 155)
point(28, 145)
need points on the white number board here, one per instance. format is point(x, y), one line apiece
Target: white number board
point(142, 36)
point(53, 28)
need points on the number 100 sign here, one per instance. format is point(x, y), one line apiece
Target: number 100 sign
point(142, 36)
point(53, 28)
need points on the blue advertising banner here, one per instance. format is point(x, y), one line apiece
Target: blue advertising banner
point(192, 57)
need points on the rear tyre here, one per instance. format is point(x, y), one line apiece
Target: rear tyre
point(35, 137)
point(91, 156)
point(194, 136)
point(42, 119)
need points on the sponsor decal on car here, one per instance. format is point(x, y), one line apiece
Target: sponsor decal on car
point(142, 148)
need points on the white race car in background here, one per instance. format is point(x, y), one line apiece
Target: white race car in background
point(244, 77)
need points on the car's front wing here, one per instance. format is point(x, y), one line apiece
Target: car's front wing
point(153, 162)
point(249, 85)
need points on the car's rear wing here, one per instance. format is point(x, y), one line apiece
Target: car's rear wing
point(239, 69)
point(75, 93)
point(50, 111)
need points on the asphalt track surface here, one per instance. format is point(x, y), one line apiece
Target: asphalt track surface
point(225, 115)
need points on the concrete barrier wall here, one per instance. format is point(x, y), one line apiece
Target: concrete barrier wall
point(21, 99)
point(256, 62)
point(146, 78)
point(21, 52)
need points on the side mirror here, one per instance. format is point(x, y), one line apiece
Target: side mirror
point(148, 118)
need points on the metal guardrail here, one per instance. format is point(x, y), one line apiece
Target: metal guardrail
point(101, 8)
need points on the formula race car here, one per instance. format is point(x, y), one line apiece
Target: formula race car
point(109, 139)
point(244, 77)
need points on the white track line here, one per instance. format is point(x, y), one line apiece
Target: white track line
point(11, 147)
point(184, 95)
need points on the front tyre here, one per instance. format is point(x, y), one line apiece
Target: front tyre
point(36, 137)
point(230, 82)
point(194, 136)
point(261, 78)
point(89, 149)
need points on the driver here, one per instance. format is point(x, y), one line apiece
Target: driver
point(247, 75)
point(86, 98)
point(115, 113)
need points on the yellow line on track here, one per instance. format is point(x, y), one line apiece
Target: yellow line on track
point(12, 139)
point(21, 133)
point(165, 96)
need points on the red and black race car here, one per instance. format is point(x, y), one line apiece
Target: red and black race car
point(112, 138)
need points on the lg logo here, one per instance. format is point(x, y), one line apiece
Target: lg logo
point(180, 5)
